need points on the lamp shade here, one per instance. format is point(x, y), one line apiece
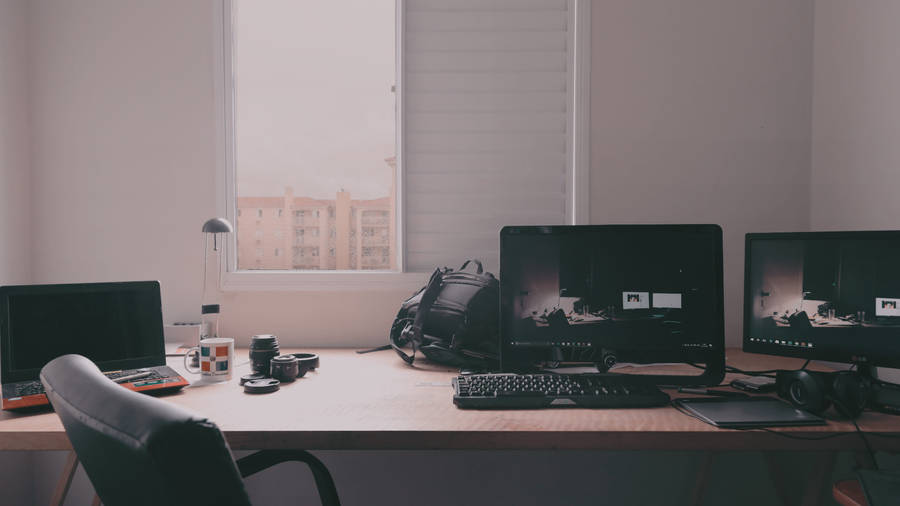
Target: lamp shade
point(217, 225)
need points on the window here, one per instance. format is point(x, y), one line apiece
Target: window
point(277, 252)
point(259, 213)
point(313, 122)
point(492, 96)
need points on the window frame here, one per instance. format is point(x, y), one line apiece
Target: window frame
point(232, 279)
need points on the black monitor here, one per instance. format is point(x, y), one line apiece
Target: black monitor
point(824, 295)
point(116, 325)
point(613, 293)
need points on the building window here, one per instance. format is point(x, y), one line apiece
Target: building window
point(259, 252)
point(277, 252)
point(279, 212)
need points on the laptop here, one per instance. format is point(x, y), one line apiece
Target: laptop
point(116, 325)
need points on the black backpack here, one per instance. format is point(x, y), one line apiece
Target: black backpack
point(452, 320)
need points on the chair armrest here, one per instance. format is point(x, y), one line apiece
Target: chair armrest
point(256, 462)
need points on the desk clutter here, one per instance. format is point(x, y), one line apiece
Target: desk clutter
point(578, 302)
point(271, 369)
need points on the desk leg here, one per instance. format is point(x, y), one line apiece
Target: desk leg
point(696, 498)
point(65, 480)
point(820, 474)
point(781, 487)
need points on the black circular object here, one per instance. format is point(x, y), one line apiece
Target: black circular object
point(308, 362)
point(250, 377)
point(263, 348)
point(285, 368)
point(261, 386)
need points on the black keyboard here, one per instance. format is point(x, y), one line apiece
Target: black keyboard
point(531, 391)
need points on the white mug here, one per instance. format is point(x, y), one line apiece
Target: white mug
point(216, 358)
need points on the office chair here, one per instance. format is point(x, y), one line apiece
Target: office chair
point(138, 450)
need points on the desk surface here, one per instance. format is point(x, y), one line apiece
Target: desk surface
point(376, 401)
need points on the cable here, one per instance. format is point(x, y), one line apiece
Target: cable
point(866, 442)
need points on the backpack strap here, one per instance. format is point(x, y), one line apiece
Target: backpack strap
point(412, 334)
point(476, 262)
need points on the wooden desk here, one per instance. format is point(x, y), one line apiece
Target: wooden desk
point(376, 401)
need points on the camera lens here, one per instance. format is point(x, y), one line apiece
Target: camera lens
point(263, 348)
point(285, 368)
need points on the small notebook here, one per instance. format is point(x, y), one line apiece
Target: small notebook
point(752, 412)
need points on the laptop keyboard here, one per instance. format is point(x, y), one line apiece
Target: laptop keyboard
point(36, 387)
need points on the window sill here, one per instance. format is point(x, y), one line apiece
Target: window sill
point(322, 281)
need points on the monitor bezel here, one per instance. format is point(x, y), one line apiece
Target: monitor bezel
point(512, 360)
point(9, 375)
point(843, 355)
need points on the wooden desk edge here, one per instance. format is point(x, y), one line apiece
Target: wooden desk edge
point(724, 440)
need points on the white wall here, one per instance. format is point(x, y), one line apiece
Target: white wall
point(856, 118)
point(15, 180)
point(700, 113)
point(123, 143)
point(856, 121)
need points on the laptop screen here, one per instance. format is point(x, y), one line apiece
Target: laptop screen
point(610, 294)
point(116, 325)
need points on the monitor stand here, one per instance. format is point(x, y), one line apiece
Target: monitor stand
point(885, 396)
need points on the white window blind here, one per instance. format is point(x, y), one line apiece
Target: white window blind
point(487, 98)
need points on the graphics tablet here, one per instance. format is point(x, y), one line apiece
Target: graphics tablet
point(752, 412)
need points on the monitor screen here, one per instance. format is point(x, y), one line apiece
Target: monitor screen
point(116, 325)
point(615, 293)
point(824, 295)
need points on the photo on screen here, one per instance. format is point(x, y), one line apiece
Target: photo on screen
point(635, 300)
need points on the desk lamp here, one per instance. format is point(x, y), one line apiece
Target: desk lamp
point(212, 265)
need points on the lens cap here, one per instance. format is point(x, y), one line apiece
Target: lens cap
point(250, 377)
point(261, 386)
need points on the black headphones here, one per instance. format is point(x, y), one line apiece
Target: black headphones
point(814, 391)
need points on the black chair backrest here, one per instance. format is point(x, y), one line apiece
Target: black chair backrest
point(136, 449)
